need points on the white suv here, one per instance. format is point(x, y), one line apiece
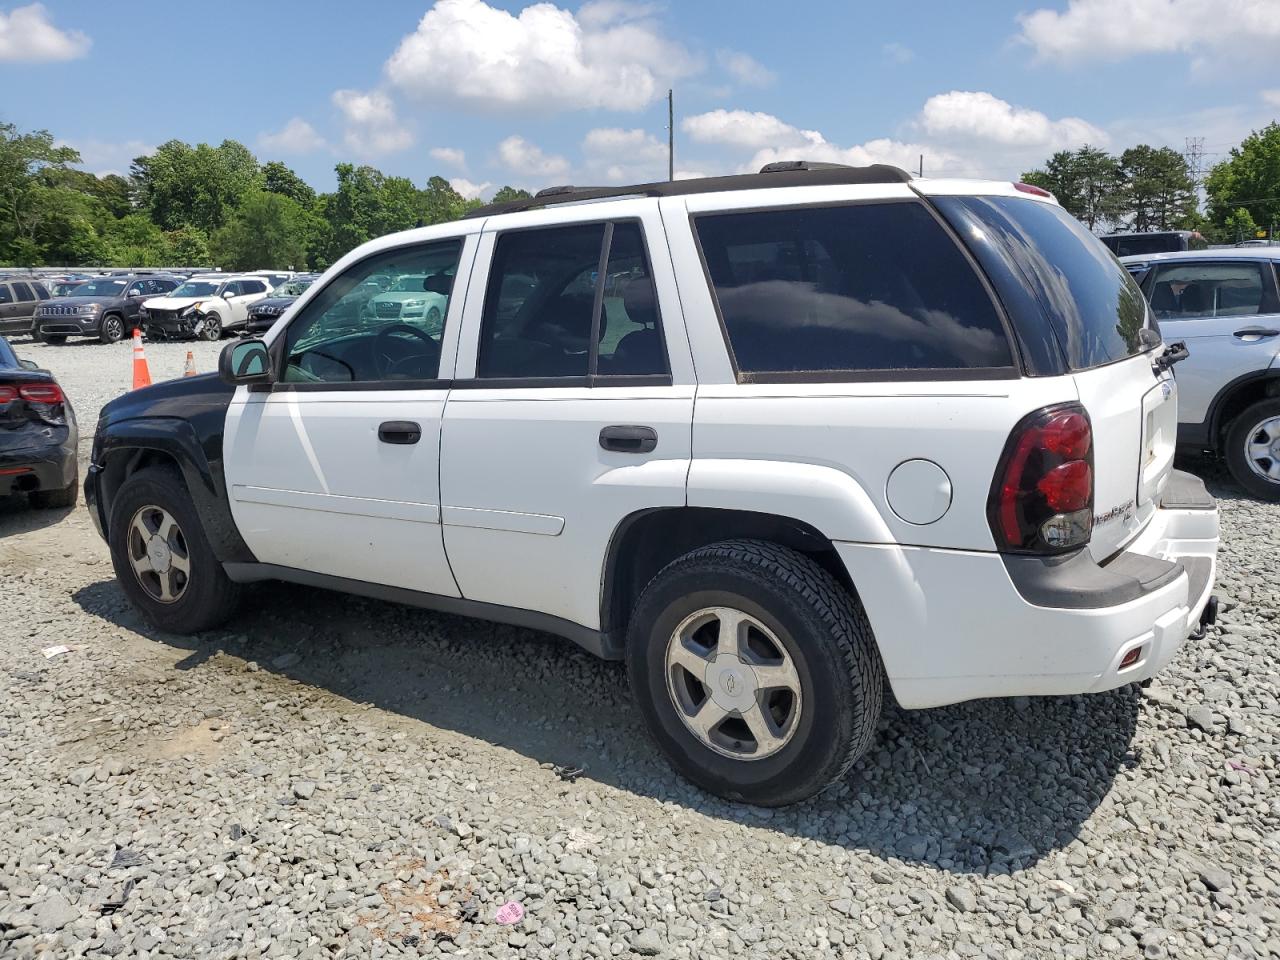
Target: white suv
point(771, 439)
point(1225, 304)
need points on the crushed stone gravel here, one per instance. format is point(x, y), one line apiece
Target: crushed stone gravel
point(337, 777)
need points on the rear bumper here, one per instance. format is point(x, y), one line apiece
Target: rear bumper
point(48, 467)
point(956, 625)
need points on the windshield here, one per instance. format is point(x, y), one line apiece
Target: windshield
point(197, 288)
point(292, 288)
point(101, 288)
point(64, 289)
point(1094, 308)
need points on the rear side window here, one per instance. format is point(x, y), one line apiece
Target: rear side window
point(856, 288)
point(1094, 308)
point(1210, 289)
point(5, 295)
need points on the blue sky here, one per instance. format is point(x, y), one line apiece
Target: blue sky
point(487, 93)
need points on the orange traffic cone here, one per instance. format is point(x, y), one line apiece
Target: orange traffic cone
point(190, 369)
point(141, 375)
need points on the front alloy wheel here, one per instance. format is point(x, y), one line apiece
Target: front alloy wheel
point(733, 683)
point(159, 554)
point(212, 329)
point(112, 330)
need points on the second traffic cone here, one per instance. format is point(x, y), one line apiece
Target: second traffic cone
point(190, 369)
point(141, 375)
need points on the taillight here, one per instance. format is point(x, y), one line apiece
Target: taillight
point(40, 393)
point(8, 394)
point(1042, 496)
point(1032, 189)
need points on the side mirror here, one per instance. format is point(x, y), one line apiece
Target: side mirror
point(245, 361)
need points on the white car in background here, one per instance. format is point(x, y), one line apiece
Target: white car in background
point(414, 298)
point(206, 306)
point(1225, 305)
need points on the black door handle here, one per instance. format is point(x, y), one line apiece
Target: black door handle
point(399, 431)
point(625, 439)
point(1256, 332)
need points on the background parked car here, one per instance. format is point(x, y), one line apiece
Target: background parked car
point(19, 297)
point(107, 308)
point(38, 435)
point(414, 299)
point(1166, 241)
point(1225, 304)
point(264, 313)
point(205, 306)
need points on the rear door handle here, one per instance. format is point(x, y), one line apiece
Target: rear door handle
point(399, 431)
point(1256, 332)
point(628, 439)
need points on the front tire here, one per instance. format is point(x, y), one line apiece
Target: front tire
point(756, 671)
point(112, 329)
point(162, 558)
point(1253, 449)
point(212, 329)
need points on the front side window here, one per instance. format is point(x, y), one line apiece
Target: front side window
point(360, 329)
point(854, 287)
point(551, 312)
point(135, 289)
point(1185, 290)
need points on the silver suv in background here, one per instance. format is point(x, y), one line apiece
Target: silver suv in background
point(1225, 305)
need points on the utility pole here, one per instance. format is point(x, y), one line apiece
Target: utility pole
point(922, 164)
point(671, 136)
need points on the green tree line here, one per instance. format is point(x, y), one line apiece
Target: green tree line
point(200, 204)
point(1153, 188)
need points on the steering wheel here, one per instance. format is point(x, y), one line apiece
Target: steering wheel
point(383, 361)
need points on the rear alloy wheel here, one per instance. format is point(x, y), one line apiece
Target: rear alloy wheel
point(1253, 449)
point(212, 329)
point(112, 329)
point(755, 671)
point(161, 556)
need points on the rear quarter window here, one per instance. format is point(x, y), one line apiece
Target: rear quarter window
point(855, 288)
point(1093, 306)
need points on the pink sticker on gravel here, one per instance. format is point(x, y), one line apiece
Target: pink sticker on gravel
point(510, 912)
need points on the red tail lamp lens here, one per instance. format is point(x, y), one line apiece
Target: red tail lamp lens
point(41, 393)
point(1068, 487)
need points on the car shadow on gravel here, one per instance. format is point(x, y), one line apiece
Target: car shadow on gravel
point(988, 786)
point(18, 516)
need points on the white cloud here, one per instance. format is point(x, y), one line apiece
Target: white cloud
point(611, 55)
point(295, 137)
point(469, 190)
point(103, 157)
point(372, 128)
point(450, 156)
point(1271, 97)
point(624, 156)
point(28, 36)
point(898, 52)
point(743, 128)
point(745, 68)
point(691, 175)
point(520, 156)
point(1111, 30)
point(977, 115)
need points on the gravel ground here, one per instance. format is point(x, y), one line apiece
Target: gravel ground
point(339, 777)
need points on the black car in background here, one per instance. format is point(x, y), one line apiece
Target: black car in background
point(264, 313)
point(19, 297)
point(105, 307)
point(38, 434)
point(1145, 244)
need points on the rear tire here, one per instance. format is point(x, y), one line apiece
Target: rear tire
point(57, 499)
point(150, 574)
point(786, 739)
point(1253, 449)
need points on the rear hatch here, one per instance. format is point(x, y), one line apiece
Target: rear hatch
point(1054, 268)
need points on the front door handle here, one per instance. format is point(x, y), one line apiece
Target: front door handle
point(1256, 332)
point(399, 431)
point(629, 439)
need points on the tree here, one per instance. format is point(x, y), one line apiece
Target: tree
point(267, 231)
point(1159, 191)
point(1249, 180)
point(134, 241)
point(1237, 226)
point(198, 186)
point(511, 193)
point(440, 203)
point(278, 178)
point(24, 158)
point(1087, 182)
point(188, 247)
point(367, 204)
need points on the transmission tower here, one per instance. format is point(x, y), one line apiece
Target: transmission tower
point(1194, 155)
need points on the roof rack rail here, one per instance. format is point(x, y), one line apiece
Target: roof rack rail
point(783, 173)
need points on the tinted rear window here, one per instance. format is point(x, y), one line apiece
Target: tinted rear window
point(863, 287)
point(1095, 309)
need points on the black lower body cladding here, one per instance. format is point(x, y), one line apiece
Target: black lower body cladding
point(36, 458)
